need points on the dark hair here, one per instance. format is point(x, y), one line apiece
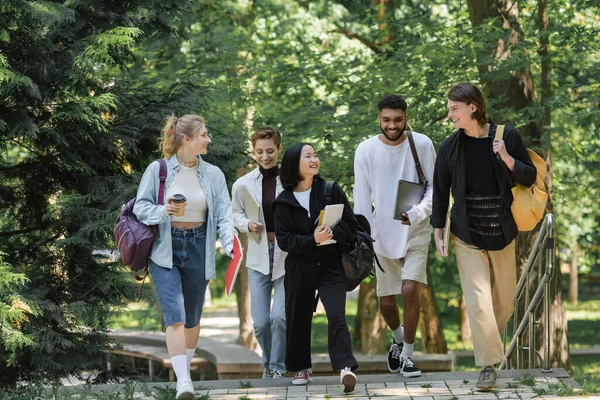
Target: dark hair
point(290, 166)
point(392, 101)
point(267, 132)
point(470, 94)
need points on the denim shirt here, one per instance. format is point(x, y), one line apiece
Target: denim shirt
point(212, 182)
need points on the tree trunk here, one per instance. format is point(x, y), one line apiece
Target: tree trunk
point(574, 274)
point(465, 328)
point(371, 331)
point(516, 93)
point(560, 354)
point(432, 332)
point(242, 292)
point(385, 10)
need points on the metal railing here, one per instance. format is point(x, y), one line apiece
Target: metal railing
point(542, 255)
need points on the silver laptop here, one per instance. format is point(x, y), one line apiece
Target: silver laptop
point(408, 195)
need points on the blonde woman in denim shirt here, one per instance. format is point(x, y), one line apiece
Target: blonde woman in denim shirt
point(264, 259)
point(182, 260)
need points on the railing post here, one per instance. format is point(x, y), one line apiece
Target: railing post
point(550, 266)
point(544, 241)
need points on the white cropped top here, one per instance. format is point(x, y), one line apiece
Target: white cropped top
point(186, 182)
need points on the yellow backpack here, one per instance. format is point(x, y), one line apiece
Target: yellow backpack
point(529, 202)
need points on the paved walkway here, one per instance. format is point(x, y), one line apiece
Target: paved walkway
point(512, 384)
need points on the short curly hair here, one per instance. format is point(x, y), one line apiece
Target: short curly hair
point(392, 101)
point(267, 132)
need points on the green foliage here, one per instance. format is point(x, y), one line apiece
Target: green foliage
point(526, 379)
point(67, 139)
point(14, 313)
point(245, 384)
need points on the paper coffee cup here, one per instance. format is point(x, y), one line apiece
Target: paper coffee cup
point(180, 200)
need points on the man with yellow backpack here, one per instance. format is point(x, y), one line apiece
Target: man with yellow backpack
point(484, 166)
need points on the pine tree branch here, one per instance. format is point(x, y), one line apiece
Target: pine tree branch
point(20, 143)
point(20, 231)
point(23, 165)
point(376, 49)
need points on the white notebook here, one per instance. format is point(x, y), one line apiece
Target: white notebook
point(330, 216)
point(252, 212)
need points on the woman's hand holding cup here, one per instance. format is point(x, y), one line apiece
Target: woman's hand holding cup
point(176, 205)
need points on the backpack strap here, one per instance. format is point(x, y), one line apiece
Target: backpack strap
point(328, 189)
point(499, 132)
point(505, 172)
point(163, 177)
point(415, 155)
point(377, 262)
point(161, 198)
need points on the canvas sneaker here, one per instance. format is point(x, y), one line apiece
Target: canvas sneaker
point(393, 358)
point(185, 391)
point(302, 377)
point(277, 374)
point(267, 373)
point(408, 367)
point(348, 380)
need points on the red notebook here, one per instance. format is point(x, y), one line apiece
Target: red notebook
point(234, 265)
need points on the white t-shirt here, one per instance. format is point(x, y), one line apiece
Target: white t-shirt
point(377, 169)
point(304, 199)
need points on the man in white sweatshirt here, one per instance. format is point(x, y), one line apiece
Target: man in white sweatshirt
point(401, 246)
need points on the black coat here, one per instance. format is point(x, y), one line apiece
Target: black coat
point(294, 227)
point(450, 174)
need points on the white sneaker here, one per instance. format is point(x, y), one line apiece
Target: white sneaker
point(185, 391)
point(348, 380)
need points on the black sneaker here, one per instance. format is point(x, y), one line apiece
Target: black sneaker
point(409, 369)
point(393, 358)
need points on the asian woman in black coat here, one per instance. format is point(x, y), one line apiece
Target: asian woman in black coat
point(310, 267)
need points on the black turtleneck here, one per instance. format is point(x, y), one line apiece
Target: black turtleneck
point(269, 187)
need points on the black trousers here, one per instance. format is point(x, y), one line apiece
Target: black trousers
point(300, 282)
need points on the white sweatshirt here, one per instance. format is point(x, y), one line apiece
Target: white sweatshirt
point(377, 169)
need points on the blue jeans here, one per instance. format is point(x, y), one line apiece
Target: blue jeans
point(181, 289)
point(269, 323)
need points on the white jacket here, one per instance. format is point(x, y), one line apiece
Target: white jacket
point(257, 257)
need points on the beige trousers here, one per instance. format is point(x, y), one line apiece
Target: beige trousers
point(489, 282)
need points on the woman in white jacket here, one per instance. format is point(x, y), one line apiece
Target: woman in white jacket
point(252, 196)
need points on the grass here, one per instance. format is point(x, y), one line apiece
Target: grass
point(128, 391)
point(245, 384)
point(526, 379)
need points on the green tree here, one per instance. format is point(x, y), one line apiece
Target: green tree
point(73, 124)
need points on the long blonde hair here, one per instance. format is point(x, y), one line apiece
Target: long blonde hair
point(176, 129)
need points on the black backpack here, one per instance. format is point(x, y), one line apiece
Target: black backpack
point(357, 257)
